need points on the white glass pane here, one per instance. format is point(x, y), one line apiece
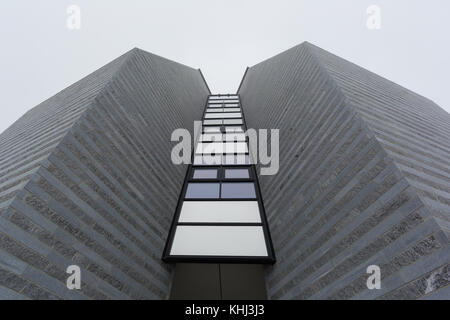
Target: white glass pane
point(229, 101)
point(213, 122)
point(218, 101)
point(232, 121)
point(211, 137)
point(214, 110)
point(240, 159)
point(213, 115)
point(223, 97)
point(222, 115)
point(234, 129)
point(209, 148)
point(232, 115)
point(225, 101)
point(211, 129)
point(232, 110)
point(207, 160)
point(237, 147)
point(231, 105)
point(234, 137)
point(220, 211)
point(219, 241)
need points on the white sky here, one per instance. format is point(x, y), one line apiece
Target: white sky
point(40, 56)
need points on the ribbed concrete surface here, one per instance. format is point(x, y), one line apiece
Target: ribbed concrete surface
point(364, 179)
point(86, 179)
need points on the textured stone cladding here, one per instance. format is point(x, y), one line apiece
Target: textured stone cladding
point(364, 179)
point(86, 179)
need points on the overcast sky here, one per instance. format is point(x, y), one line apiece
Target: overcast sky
point(40, 56)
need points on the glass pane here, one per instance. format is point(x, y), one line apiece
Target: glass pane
point(232, 110)
point(223, 97)
point(239, 159)
point(232, 105)
point(237, 174)
point(210, 148)
point(213, 122)
point(230, 101)
point(220, 211)
point(232, 121)
point(211, 129)
point(207, 160)
point(222, 115)
point(214, 110)
point(238, 190)
point(219, 241)
point(236, 147)
point(211, 137)
point(234, 137)
point(231, 115)
point(202, 190)
point(205, 174)
point(234, 129)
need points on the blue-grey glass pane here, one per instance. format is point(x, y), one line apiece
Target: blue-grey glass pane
point(205, 174)
point(202, 190)
point(237, 174)
point(238, 190)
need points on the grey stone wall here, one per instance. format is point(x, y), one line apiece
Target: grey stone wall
point(364, 179)
point(86, 179)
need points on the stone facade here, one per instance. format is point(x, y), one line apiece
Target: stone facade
point(86, 179)
point(364, 179)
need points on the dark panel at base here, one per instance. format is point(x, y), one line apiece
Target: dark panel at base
point(243, 282)
point(206, 281)
point(196, 281)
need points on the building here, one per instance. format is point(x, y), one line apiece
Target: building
point(86, 179)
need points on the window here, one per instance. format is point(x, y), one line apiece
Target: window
point(240, 159)
point(234, 137)
point(211, 129)
point(232, 110)
point(219, 241)
point(207, 160)
point(234, 129)
point(211, 137)
point(220, 211)
point(238, 190)
point(222, 115)
point(210, 148)
point(220, 215)
point(232, 121)
point(214, 110)
point(202, 190)
point(236, 147)
point(212, 122)
point(205, 174)
point(237, 174)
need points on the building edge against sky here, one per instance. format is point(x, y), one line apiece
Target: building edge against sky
point(86, 178)
point(364, 179)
